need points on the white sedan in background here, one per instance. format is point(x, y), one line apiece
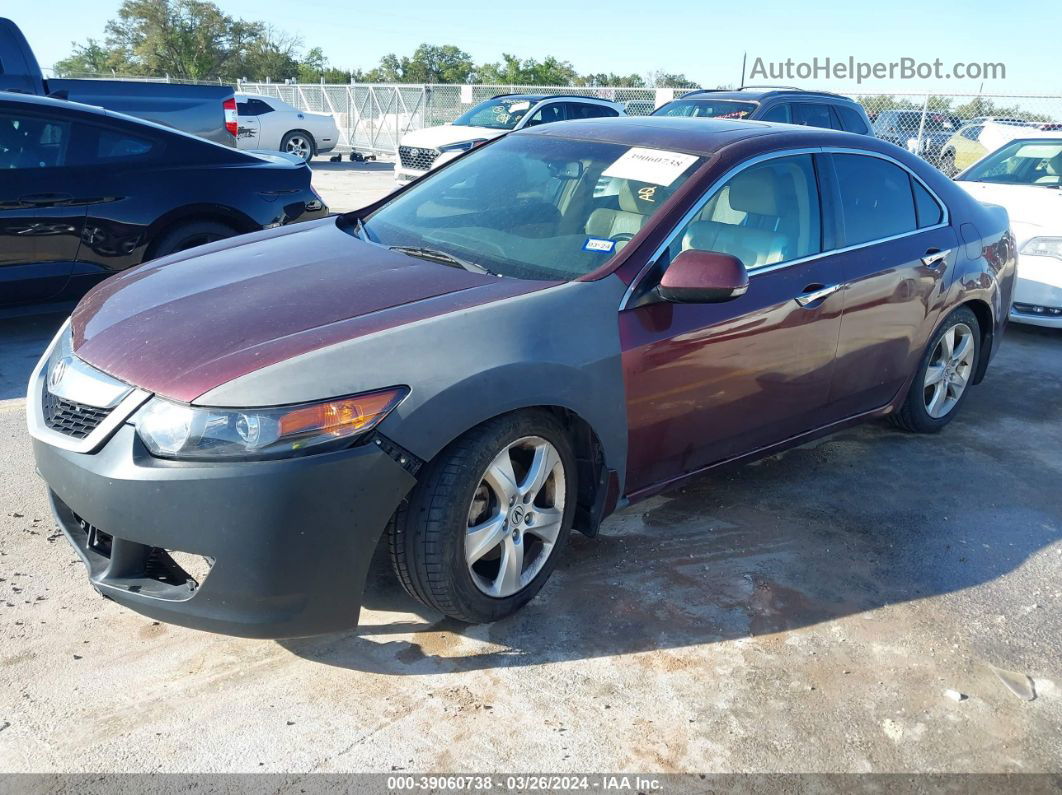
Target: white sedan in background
point(1025, 177)
point(272, 124)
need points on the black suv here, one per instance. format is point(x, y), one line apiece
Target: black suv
point(788, 105)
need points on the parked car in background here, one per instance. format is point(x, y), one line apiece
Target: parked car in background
point(493, 356)
point(787, 105)
point(921, 133)
point(272, 124)
point(977, 138)
point(206, 111)
point(85, 193)
point(421, 150)
point(1025, 177)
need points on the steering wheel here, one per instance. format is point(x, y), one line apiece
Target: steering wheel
point(621, 239)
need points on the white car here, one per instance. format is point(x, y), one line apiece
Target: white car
point(272, 124)
point(424, 149)
point(1025, 177)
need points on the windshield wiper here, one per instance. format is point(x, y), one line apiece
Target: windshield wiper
point(443, 257)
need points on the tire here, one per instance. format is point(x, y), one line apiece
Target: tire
point(189, 235)
point(429, 539)
point(921, 413)
point(299, 142)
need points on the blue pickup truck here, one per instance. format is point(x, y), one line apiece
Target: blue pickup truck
point(203, 110)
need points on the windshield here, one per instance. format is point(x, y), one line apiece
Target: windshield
point(533, 207)
point(503, 113)
point(715, 108)
point(1021, 163)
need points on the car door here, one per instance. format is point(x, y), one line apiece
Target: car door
point(248, 128)
point(41, 217)
point(896, 251)
point(708, 382)
point(968, 148)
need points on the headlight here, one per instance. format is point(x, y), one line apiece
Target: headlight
point(463, 146)
point(177, 430)
point(1043, 247)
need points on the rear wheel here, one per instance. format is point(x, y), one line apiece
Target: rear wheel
point(299, 143)
point(944, 375)
point(189, 235)
point(481, 532)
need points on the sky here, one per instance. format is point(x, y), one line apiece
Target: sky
point(704, 40)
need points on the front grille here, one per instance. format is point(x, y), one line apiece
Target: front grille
point(417, 158)
point(69, 418)
point(1034, 309)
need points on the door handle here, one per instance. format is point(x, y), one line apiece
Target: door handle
point(936, 259)
point(814, 292)
point(45, 199)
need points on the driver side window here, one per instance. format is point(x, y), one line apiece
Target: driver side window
point(765, 215)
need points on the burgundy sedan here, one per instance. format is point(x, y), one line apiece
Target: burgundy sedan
point(550, 327)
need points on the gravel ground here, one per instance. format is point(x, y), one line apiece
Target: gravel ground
point(874, 601)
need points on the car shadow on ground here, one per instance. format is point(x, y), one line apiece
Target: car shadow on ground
point(24, 334)
point(866, 518)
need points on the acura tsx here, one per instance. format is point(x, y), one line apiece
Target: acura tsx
point(548, 328)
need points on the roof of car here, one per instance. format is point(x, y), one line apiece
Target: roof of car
point(698, 136)
point(757, 93)
point(51, 102)
point(540, 97)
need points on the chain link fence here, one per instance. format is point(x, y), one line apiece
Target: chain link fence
point(946, 129)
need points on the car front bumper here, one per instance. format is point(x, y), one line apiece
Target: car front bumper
point(288, 542)
point(1038, 292)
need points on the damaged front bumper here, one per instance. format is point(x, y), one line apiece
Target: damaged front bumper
point(284, 546)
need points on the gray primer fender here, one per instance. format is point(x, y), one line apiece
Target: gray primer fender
point(554, 347)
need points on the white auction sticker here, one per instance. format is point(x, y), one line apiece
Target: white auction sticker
point(649, 165)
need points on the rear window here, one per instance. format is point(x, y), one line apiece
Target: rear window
point(114, 145)
point(876, 198)
point(707, 108)
point(851, 120)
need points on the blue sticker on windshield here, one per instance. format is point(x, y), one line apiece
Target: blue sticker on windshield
point(600, 245)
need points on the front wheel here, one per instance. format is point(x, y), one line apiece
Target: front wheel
point(944, 375)
point(482, 530)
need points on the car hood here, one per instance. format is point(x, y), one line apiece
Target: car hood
point(1033, 210)
point(182, 325)
point(431, 137)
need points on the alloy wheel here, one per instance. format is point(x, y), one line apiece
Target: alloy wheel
point(949, 370)
point(515, 517)
point(298, 145)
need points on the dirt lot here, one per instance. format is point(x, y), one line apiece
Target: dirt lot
point(874, 601)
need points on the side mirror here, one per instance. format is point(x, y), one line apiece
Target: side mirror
point(703, 277)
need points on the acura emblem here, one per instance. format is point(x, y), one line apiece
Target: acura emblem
point(57, 372)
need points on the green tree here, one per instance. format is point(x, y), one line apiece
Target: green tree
point(184, 38)
point(512, 70)
point(668, 80)
point(91, 58)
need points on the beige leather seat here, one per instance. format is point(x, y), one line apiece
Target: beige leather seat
point(756, 241)
point(629, 219)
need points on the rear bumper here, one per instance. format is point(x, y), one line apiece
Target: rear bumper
point(290, 541)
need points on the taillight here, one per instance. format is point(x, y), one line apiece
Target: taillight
point(230, 115)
